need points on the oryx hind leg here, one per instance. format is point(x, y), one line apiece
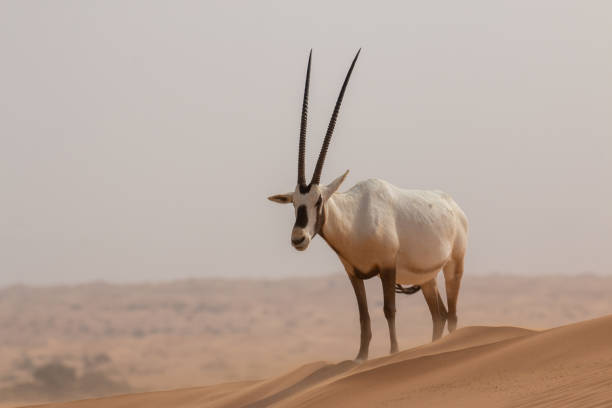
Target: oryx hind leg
point(436, 308)
point(453, 271)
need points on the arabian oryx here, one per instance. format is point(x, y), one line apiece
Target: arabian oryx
point(375, 228)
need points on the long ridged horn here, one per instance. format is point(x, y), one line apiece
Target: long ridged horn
point(302, 150)
point(316, 176)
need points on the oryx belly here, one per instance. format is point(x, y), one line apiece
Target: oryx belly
point(408, 277)
point(421, 256)
point(426, 233)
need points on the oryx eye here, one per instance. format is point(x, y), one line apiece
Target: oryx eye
point(319, 201)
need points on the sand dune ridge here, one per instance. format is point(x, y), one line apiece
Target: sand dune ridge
point(475, 366)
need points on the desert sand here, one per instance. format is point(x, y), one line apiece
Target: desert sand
point(75, 342)
point(473, 367)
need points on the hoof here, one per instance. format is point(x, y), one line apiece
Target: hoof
point(360, 359)
point(452, 324)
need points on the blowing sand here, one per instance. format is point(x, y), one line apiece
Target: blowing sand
point(473, 367)
point(66, 343)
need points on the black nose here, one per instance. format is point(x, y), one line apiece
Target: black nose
point(298, 241)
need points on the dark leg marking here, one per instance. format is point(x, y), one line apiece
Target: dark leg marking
point(364, 317)
point(406, 290)
point(453, 272)
point(366, 275)
point(387, 278)
point(436, 308)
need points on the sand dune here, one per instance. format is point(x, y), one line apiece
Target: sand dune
point(473, 367)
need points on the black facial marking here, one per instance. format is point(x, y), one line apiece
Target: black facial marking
point(305, 188)
point(302, 217)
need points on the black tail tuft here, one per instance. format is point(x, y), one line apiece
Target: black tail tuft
point(407, 290)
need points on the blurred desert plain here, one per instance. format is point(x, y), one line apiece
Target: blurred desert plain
point(68, 342)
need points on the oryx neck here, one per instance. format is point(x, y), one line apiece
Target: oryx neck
point(339, 216)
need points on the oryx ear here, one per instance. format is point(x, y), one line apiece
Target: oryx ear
point(332, 187)
point(282, 198)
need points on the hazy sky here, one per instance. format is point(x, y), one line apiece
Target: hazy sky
point(140, 139)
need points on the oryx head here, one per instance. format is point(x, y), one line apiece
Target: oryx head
point(309, 199)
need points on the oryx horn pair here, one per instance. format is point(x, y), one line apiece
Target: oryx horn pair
point(316, 176)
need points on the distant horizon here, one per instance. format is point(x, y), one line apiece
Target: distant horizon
point(43, 285)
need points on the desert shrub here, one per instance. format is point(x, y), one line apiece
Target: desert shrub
point(55, 377)
point(91, 362)
point(98, 383)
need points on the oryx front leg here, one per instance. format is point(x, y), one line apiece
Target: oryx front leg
point(387, 278)
point(364, 317)
point(436, 307)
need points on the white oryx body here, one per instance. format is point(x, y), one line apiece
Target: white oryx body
point(377, 229)
point(377, 225)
